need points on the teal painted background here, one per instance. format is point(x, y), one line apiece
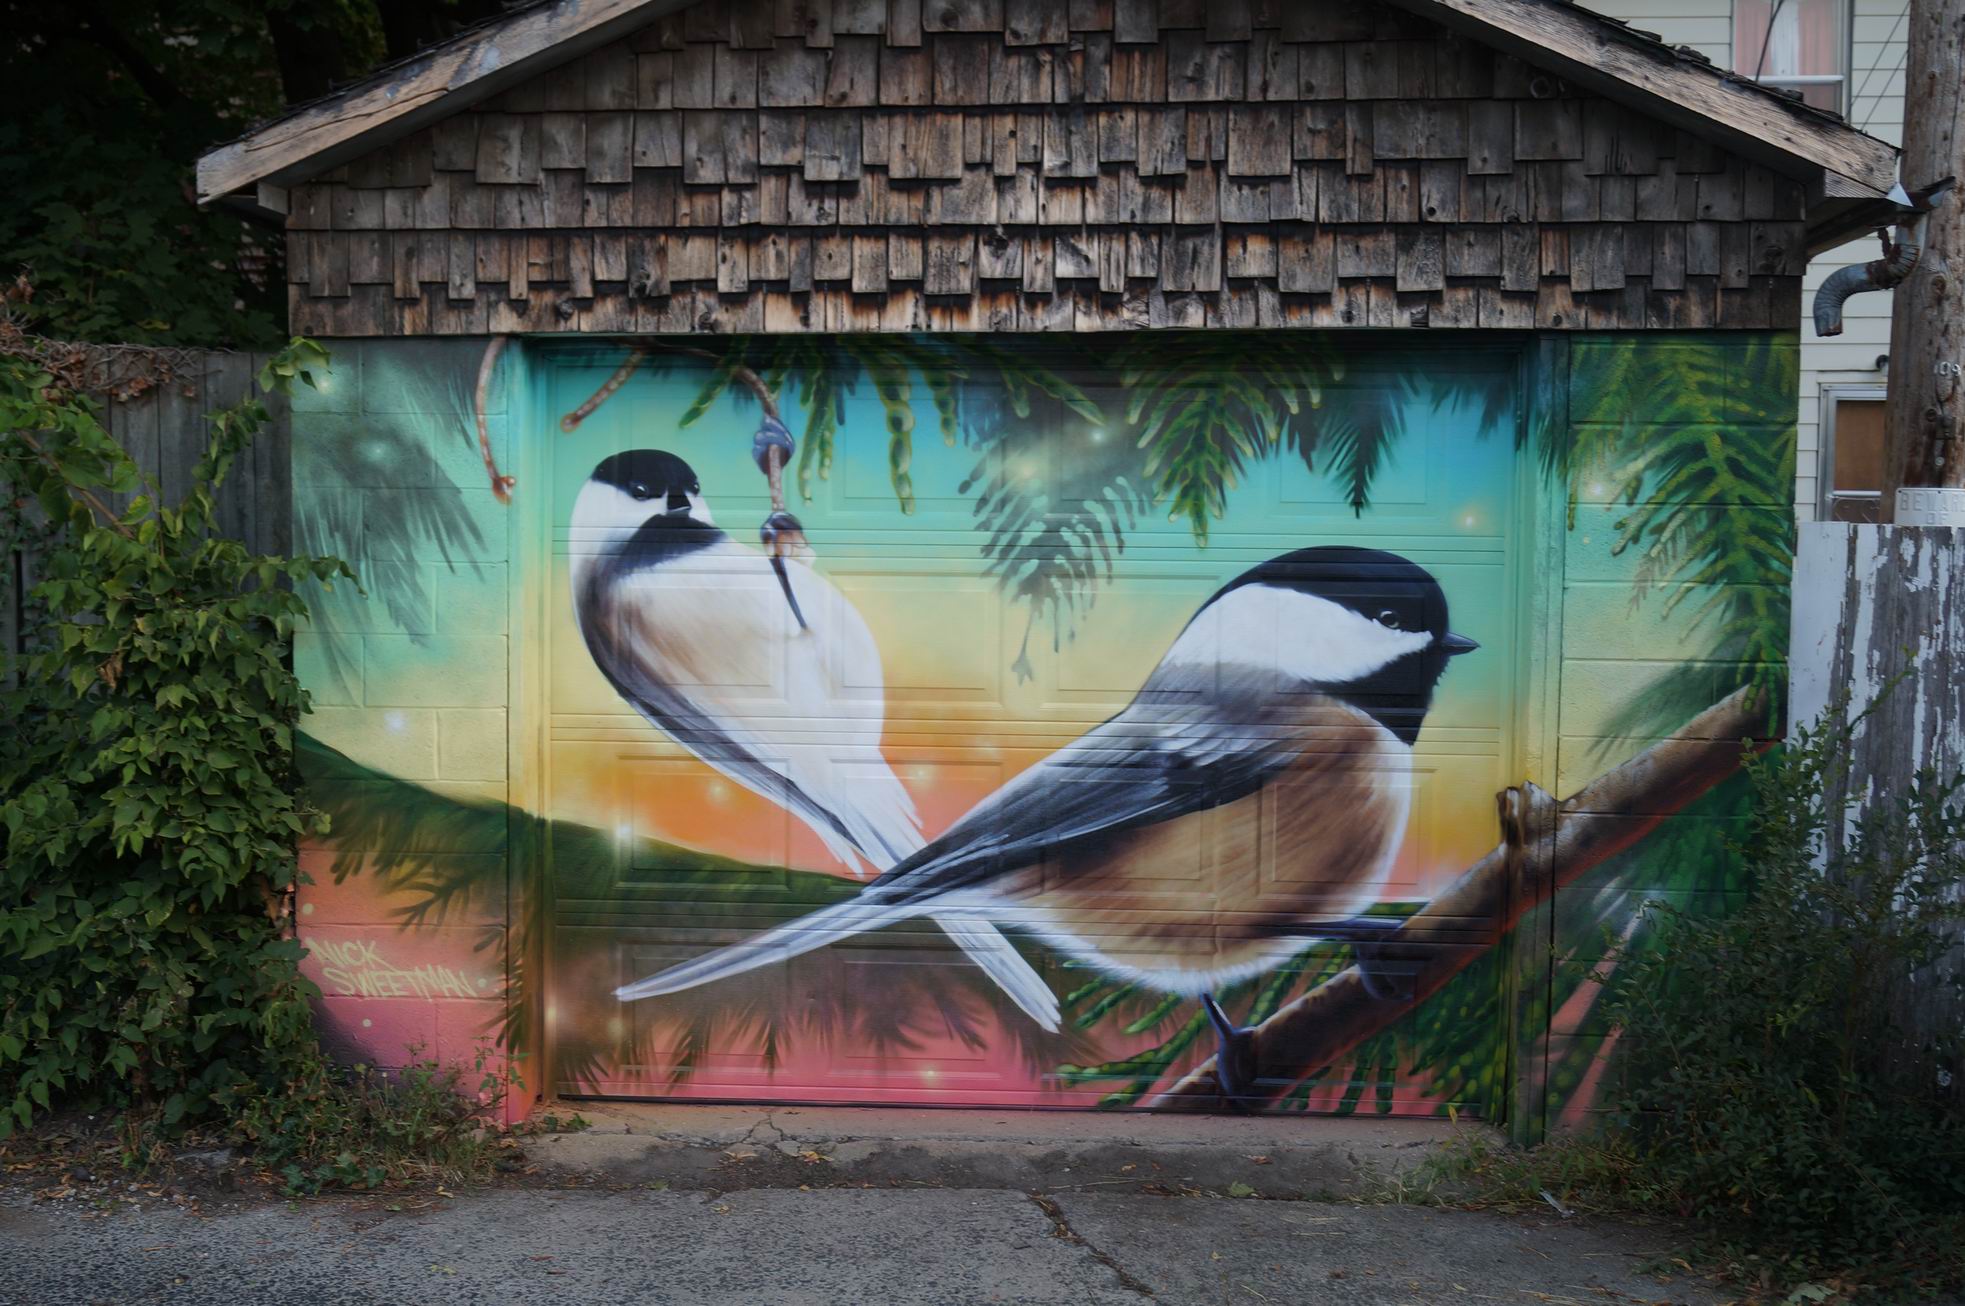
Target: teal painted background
point(1608, 511)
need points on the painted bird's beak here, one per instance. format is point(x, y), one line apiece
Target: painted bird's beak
point(1455, 645)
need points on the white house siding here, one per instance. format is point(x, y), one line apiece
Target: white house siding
point(1704, 25)
point(1877, 82)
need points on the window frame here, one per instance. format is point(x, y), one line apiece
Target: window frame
point(1832, 394)
point(1845, 12)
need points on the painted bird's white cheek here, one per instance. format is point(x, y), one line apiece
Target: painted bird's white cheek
point(603, 515)
point(1304, 636)
point(699, 508)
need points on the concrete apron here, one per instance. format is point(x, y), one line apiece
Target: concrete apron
point(729, 1148)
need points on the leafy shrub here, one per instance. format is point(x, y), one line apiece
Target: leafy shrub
point(147, 796)
point(1768, 1084)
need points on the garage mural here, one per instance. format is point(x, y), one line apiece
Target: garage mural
point(1158, 721)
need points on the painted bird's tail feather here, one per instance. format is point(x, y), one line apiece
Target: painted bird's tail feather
point(792, 939)
point(879, 817)
point(999, 960)
point(883, 827)
point(982, 941)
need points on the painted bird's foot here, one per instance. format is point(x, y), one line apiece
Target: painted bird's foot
point(772, 434)
point(782, 536)
point(1235, 1069)
point(1385, 980)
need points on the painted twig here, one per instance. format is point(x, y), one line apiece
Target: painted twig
point(501, 484)
point(1546, 845)
point(637, 352)
point(572, 420)
point(774, 459)
point(750, 380)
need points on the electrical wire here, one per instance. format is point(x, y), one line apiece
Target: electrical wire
point(1855, 99)
point(1767, 39)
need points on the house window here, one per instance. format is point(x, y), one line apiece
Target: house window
point(1852, 452)
point(1799, 44)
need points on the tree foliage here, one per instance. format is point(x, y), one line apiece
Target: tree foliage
point(147, 797)
point(1049, 541)
point(1066, 466)
point(111, 102)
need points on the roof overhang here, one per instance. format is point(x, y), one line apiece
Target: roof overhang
point(1846, 173)
point(253, 171)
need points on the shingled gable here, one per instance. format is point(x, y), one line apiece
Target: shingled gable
point(1043, 164)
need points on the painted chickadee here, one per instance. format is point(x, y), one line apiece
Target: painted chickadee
point(1249, 802)
point(668, 604)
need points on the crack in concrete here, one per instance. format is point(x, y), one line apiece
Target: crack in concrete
point(750, 1135)
point(1061, 1228)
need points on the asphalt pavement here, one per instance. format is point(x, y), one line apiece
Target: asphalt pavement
point(903, 1246)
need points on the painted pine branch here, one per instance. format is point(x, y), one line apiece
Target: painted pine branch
point(1545, 845)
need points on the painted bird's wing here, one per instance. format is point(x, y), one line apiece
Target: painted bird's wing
point(864, 793)
point(1154, 762)
point(668, 637)
point(671, 629)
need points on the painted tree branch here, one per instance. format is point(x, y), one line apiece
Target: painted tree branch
point(1545, 845)
point(774, 459)
point(501, 484)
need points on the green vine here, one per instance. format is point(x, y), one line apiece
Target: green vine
point(147, 795)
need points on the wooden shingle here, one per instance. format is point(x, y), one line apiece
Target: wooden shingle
point(1042, 164)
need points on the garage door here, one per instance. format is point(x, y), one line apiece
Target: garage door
point(1091, 681)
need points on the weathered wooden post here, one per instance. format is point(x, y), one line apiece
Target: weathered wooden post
point(1926, 406)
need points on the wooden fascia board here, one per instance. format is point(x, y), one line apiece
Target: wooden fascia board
point(1842, 221)
point(1594, 53)
point(437, 83)
point(1838, 212)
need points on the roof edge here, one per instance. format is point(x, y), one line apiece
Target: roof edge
point(1587, 48)
point(1645, 74)
point(472, 66)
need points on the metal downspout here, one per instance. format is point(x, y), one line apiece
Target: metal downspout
point(1899, 258)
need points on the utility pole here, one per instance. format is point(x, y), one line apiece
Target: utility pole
point(1926, 407)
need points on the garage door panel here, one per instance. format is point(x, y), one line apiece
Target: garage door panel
point(915, 609)
point(1018, 593)
point(897, 1010)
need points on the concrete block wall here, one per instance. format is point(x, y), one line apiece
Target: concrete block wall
point(1621, 648)
point(409, 677)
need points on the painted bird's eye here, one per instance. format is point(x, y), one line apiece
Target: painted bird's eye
point(640, 490)
point(1390, 620)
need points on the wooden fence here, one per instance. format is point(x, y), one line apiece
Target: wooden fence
point(1872, 603)
point(165, 430)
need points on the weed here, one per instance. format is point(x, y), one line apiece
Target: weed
point(1591, 1175)
point(362, 1128)
point(551, 1122)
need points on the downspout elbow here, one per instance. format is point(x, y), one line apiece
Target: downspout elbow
point(1899, 257)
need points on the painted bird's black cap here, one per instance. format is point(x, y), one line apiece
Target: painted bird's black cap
point(1368, 581)
point(648, 474)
